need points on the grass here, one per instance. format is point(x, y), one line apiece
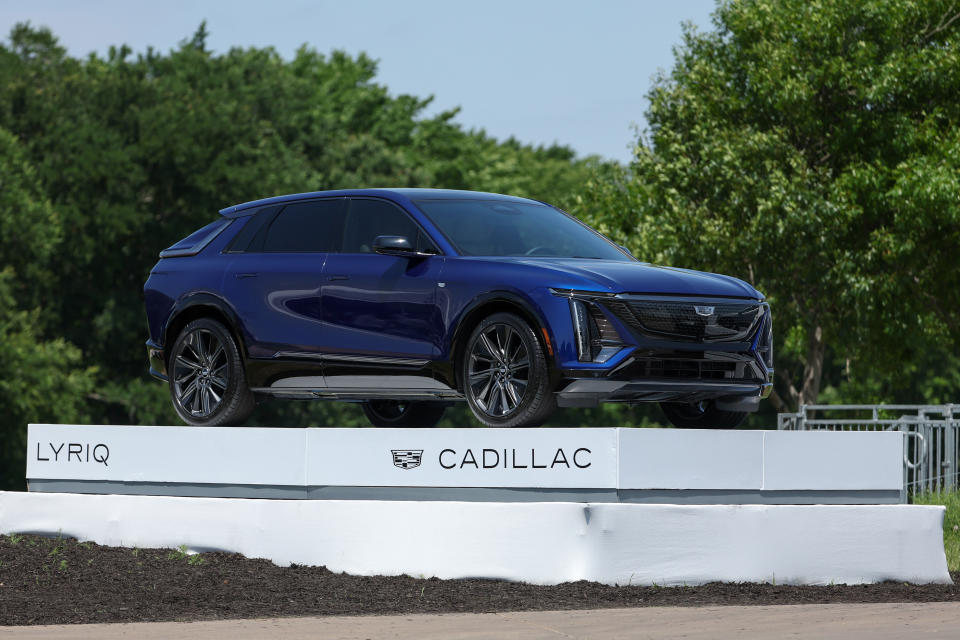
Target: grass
point(951, 522)
point(181, 553)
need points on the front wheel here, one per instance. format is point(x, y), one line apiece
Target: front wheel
point(397, 413)
point(504, 374)
point(701, 415)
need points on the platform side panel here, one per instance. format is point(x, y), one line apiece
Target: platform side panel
point(780, 544)
point(690, 459)
point(540, 543)
point(547, 458)
point(249, 456)
point(832, 460)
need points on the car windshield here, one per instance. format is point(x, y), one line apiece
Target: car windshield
point(500, 228)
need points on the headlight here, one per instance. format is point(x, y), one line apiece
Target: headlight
point(767, 352)
point(594, 334)
point(580, 292)
point(581, 329)
point(763, 340)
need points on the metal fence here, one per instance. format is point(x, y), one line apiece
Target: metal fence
point(931, 460)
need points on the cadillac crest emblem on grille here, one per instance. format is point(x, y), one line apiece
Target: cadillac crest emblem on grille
point(703, 310)
point(406, 458)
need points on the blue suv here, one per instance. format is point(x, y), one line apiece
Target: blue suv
point(406, 300)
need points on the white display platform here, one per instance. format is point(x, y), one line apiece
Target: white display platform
point(574, 465)
point(541, 543)
point(618, 506)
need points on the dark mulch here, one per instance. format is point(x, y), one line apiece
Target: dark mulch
point(57, 581)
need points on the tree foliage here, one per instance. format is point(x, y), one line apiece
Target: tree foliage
point(813, 149)
point(44, 380)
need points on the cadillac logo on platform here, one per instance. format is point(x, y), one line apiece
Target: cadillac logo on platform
point(406, 458)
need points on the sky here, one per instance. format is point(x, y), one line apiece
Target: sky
point(543, 71)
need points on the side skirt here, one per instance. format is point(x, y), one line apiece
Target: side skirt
point(347, 377)
point(357, 395)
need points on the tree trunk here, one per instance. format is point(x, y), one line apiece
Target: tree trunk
point(812, 368)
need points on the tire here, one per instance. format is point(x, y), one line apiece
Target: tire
point(208, 385)
point(701, 415)
point(503, 388)
point(397, 413)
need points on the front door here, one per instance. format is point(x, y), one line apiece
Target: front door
point(379, 311)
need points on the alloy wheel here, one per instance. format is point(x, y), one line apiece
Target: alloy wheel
point(200, 373)
point(498, 372)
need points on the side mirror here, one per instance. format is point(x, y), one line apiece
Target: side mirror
point(627, 251)
point(397, 246)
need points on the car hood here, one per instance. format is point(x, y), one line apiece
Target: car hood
point(640, 277)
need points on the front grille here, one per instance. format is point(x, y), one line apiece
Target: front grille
point(687, 369)
point(690, 321)
point(692, 369)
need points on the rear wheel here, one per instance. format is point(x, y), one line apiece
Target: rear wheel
point(398, 413)
point(701, 415)
point(207, 382)
point(504, 373)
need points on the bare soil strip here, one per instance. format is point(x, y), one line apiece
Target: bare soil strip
point(46, 581)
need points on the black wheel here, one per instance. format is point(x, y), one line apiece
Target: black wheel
point(207, 382)
point(701, 415)
point(398, 413)
point(504, 374)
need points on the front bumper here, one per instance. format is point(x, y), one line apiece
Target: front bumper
point(731, 396)
point(667, 349)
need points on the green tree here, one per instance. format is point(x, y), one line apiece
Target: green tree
point(812, 149)
point(44, 380)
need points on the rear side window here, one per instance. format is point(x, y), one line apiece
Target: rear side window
point(368, 219)
point(196, 241)
point(252, 225)
point(314, 226)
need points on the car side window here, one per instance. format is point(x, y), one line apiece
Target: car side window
point(313, 226)
point(254, 223)
point(367, 219)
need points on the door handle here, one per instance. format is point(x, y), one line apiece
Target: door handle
point(245, 275)
point(338, 277)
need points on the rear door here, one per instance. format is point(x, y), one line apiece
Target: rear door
point(274, 283)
